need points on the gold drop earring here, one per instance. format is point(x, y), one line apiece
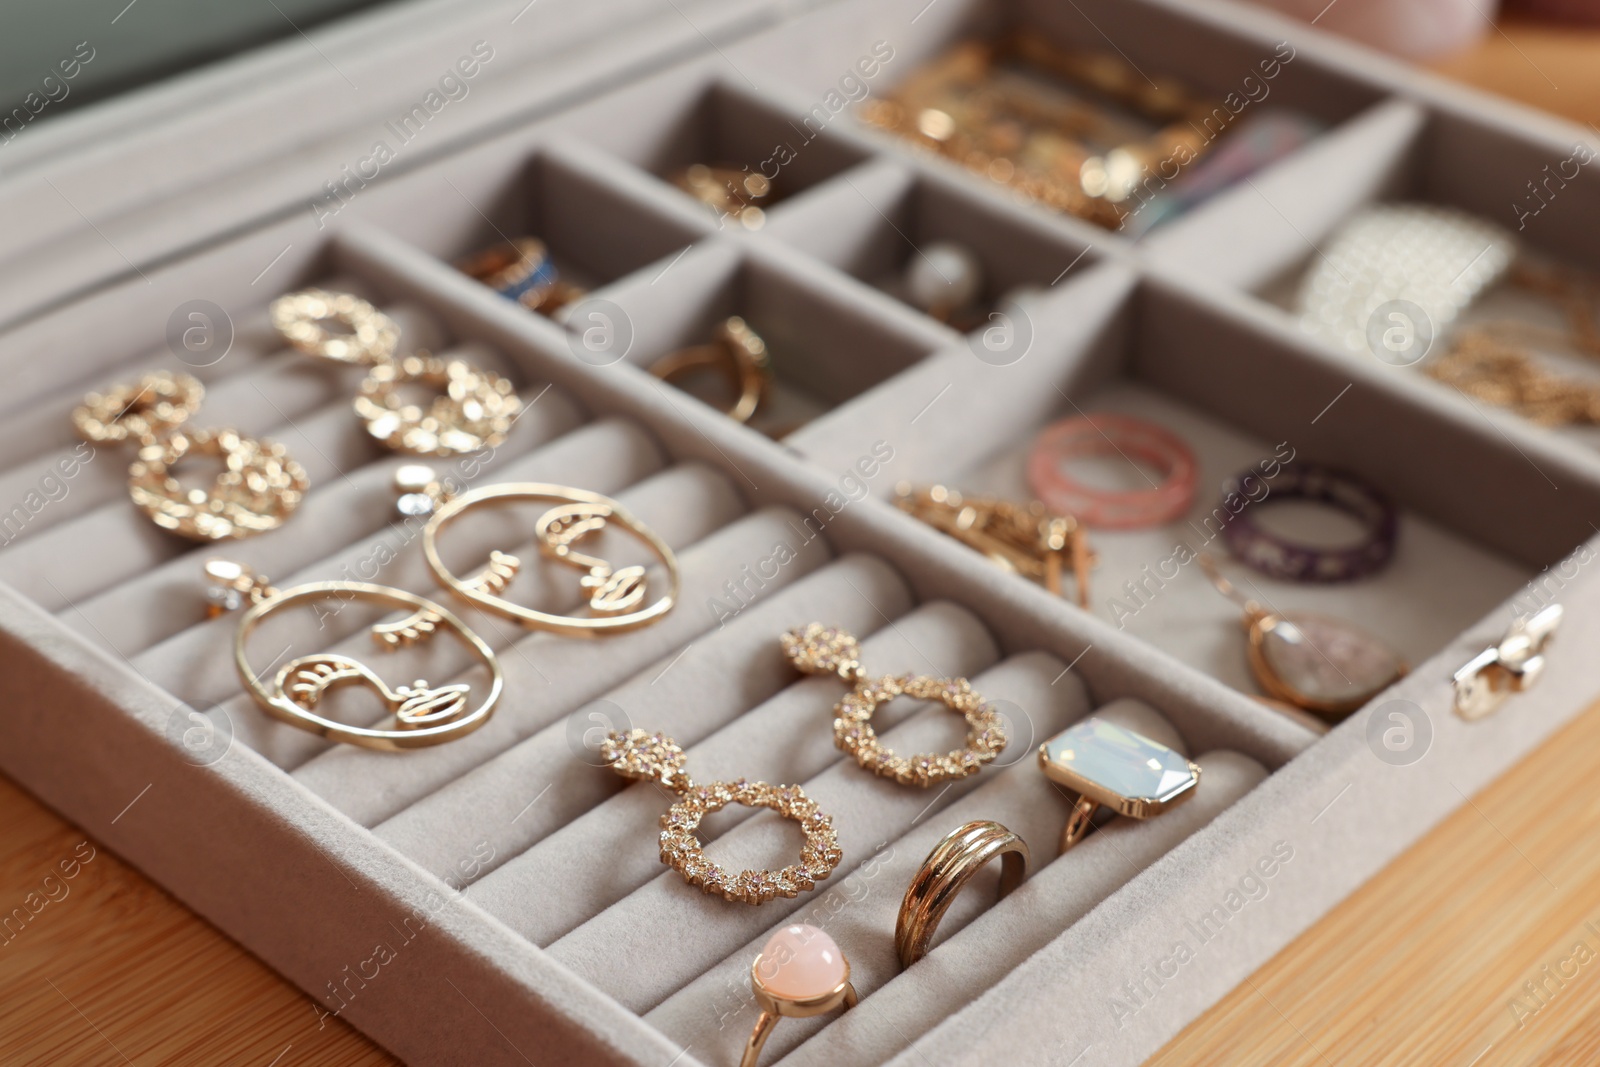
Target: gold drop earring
point(474, 408)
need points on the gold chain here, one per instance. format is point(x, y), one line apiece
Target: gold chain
point(1491, 361)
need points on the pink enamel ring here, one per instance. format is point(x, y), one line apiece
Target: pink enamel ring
point(1104, 434)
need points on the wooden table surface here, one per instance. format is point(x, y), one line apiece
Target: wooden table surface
point(1422, 965)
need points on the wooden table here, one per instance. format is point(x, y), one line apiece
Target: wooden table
point(1420, 966)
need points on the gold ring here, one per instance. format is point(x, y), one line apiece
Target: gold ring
point(474, 409)
point(800, 973)
point(738, 353)
point(423, 714)
point(959, 855)
point(640, 756)
point(616, 595)
point(1110, 765)
point(820, 649)
point(369, 336)
point(734, 192)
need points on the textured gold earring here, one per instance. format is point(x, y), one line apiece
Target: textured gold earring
point(474, 408)
point(820, 649)
point(259, 487)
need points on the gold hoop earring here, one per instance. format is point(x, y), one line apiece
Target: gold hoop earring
point(259, 487)
point(616, 595)
point(820, 649)
point(474, 408)
point(423, 714)
point(641, 756)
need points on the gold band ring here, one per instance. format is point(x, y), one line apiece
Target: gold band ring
point(959, 856)
point(738, 353)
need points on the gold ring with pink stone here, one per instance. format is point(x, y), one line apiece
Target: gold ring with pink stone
point(639, 755)
point(800, 973)
point(820, 649)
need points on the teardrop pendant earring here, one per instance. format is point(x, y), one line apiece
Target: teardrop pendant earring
point(1315, 662)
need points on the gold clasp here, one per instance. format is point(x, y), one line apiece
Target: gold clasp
point(1513, 665)
point(1025, 539)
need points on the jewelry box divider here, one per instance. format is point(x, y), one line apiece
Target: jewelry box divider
point(489, 806)
point(599, 221)
point(866, 808)
point(876, 222)
point(1416, 151)
point(520, 888)
point(826, 342)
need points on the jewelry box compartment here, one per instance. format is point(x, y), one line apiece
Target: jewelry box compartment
point(280, 826)
point(309, 855)
point(1250, 397)
point(1528, 185)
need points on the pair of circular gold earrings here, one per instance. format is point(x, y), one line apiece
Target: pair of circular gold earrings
point(816, 649)
point(421, 714)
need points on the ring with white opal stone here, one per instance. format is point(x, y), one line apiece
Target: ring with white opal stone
point(958, 856)
point(641, 756)
point(1110, 765)
point(800, 973)
point(820, 649)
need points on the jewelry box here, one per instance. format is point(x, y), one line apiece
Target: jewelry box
point(513, 925)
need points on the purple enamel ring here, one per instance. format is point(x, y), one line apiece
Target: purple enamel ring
point(1279, 557)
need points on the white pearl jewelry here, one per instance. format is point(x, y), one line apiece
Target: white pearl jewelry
point(1435, 257)
point(943, 277)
